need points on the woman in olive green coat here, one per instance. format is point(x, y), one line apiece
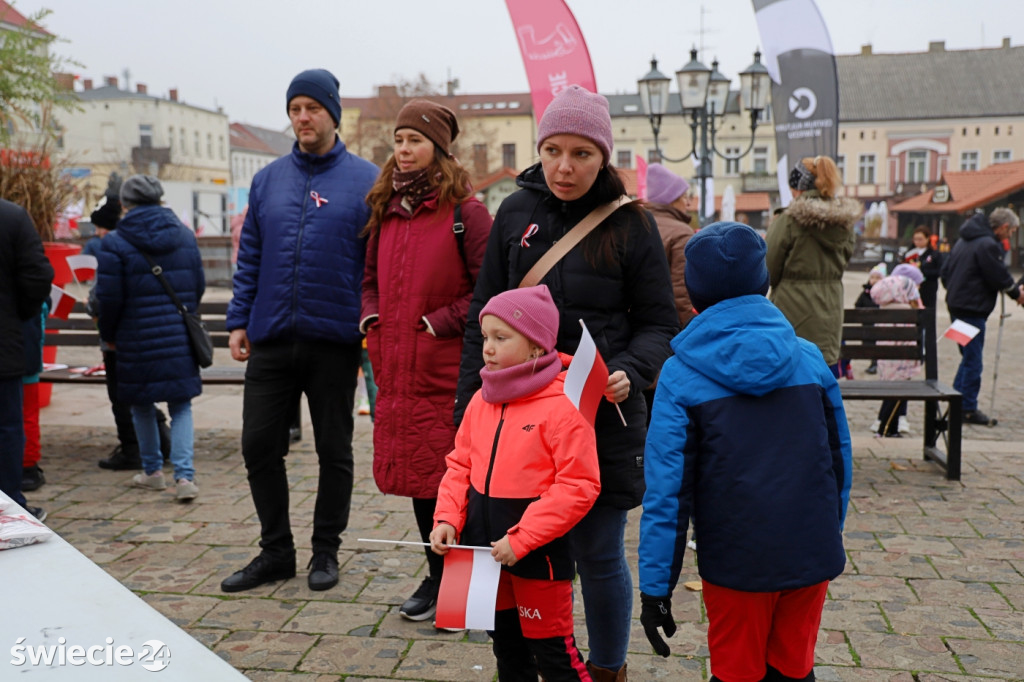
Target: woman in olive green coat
point(809, 245)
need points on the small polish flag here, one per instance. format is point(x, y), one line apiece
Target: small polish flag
point(83, 267)
point(587, 376)
point(961, 332)
point(469, 589)
point(62, 302)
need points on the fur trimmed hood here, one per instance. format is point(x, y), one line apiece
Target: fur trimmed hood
point(830, 220)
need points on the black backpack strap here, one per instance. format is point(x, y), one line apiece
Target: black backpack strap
point(459, 230)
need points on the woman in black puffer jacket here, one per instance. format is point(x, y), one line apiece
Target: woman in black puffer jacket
point(138, 318)
point(617, 282)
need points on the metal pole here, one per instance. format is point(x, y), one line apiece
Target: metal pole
point(999, 342)
point(704, 166)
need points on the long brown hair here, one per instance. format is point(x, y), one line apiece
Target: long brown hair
point(446, 175)
point(602, 246)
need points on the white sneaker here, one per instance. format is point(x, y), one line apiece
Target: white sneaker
point(154, 481)
point(692, 544)
point(875, 425)
point(186, 490)
point(903, 426)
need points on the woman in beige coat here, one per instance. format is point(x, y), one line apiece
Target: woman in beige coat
point(809, 245)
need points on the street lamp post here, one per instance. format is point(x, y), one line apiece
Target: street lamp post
point(703, 94)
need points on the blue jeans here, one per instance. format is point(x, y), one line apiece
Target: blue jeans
point(598, 545)
point(968, 375)
point(12, 439)
point(146, 430)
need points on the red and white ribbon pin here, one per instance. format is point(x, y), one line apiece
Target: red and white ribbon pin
point(318, 199)
point(530, 231)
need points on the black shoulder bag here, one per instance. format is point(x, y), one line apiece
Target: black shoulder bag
point(198, 336)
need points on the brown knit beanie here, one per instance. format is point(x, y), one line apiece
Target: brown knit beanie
point(435, 121)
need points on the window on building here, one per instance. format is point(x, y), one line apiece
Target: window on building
point(480, 159)
point(183, 147)
point(624, 158)
point(968, 161)
point(170, 138)
point(146, 135)
point(220, 144)
point(195, 143)
point(108, 137)
point(1002, 156)
point(866, 169)
point(209, 145)
point(760, 159)
point(508, 155)
point(841, 167)
point(653, 156)
point(917, 165)
point(732, 161)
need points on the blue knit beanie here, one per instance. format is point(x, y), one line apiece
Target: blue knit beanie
point(725, 260)
point(321, 85)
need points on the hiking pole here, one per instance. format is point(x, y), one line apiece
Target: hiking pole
point(999, 342)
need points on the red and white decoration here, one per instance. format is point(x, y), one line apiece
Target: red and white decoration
point(469, 589)
point(587, 376)
point(961, 332)
point(83, 267)
point(62, 302)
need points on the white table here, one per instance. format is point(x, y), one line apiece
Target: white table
point(51, 592)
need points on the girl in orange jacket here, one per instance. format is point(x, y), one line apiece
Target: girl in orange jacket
point(524, 471)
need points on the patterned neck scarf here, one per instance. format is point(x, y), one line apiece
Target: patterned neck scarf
point(413, 185)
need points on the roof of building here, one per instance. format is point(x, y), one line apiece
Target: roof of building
point(969, 189)
point(938, 83)
point(480, 184)
point(112, 92)
point(630, 105)
point(11, 16)
point(256, 139)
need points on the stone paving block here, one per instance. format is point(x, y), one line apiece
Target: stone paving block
point(977, 570)
point(871, 588)
point(221, 513)
point(167, 531)
point(84, 531)
point(208, 636)
point(391, 590)
point(154, 510)
point(337, 619)
point(246, 649)
point(958, 593)
point(671, 669)
point(942, 621)
point(997, 659)
point(864, 522)
point(846, 615)
point(182, 609)
point(165, 554)
point(997, 527)
point(347, 589)
point(247, 613)
point(891, 563)
point(1003, 625)
point(995, 548)
point(1014, 593)
point(861, 540)
point(273, 676)
point(918, 544)
point(844, 674)
point(831, 648)
point(900, 507)
point(157, 578)
point(899, 652)
point(241, 534)
point(104, 552)
point(374, 656)
point(103, 509)
point(939, 526)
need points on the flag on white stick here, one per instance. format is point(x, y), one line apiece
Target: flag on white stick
point(469, 589)
point(62, 302)
point(961, 332)
point(587, 376)
point(83, 267)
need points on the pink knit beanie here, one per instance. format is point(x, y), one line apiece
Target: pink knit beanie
point(530, 311)
point(664, 186)
point(576, 111)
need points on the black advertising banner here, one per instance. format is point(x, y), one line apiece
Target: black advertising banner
point(805, 90)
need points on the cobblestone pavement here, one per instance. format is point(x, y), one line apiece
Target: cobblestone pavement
point(933, 589)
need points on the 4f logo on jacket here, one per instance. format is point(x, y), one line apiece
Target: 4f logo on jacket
point(529, 427)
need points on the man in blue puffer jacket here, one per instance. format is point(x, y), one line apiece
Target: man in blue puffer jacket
point(748, 436)
point(295, 319)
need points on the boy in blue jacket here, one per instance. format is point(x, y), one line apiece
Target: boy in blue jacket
point(748, 435)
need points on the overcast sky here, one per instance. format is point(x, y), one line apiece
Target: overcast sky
point(241, 54)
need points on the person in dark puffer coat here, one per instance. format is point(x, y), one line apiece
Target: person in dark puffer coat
point(138, 318)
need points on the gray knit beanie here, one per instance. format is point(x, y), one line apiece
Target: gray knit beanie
point(139, 190)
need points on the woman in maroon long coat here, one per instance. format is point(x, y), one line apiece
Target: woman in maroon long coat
point(419, 281)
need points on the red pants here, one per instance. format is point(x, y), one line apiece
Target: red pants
point(30, 420)
point(747, 630)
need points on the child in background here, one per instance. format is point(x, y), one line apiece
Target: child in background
point(748, 435)
point(876, 275)
point(521, 493)
point(899, 290)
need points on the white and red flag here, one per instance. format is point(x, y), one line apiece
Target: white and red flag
point(961, 332)
point(62, 302)
point(469, 589)
point(587, 377)
point(83, 267)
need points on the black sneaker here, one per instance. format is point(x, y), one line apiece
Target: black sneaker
point(323, 571)
point(978, 417)
point(423, 602)
point(37, 512)
point(119, 461)
point(32, 478)
point(259, 571)
point(295, 434)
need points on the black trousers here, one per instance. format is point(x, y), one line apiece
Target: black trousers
point(123, 414)
point(276, 377)
point(424, 511)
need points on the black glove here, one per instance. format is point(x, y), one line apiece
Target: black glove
point(656, 612)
